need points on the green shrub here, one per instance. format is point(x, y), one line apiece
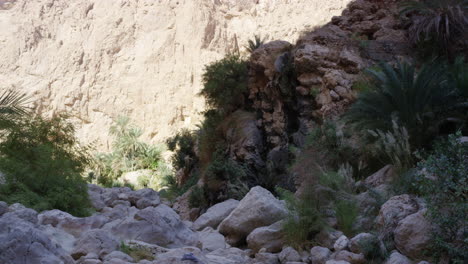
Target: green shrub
point(136, 253)
point(183, 144)
point(443, 180)
point(225, 84)
point(197, 198)
point(172, 190)
point(43, 163)
point(304, 220)
point(346, 215)
point(128, 154)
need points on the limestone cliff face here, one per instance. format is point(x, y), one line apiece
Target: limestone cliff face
point(100, 59)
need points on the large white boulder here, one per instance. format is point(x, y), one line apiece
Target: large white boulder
point(21, 242)
point(97, 241)
point(215, 214)
point(71, 224)
point(211, 240)
point(156, 225)
point(258, 208)
point(271, 238)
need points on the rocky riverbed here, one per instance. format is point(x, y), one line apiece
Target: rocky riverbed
point(232, 232)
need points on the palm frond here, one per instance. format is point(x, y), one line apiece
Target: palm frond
point(401, 93)
point(443, 22)
point(13, 103)
point(254, 44)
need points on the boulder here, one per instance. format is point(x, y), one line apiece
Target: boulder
point(97, 241)
point(181, 256)
point(319, 255)
point(269, 237)
point(59, 237)
point(382, 176)
point(215, 214)
point(350, 257)
point(22, 212)
point(144, 197)
point(3, 208)
point(395, 210)
point(360, 243)
point(397, 258)
point(71, 224)
point(21, 242)
point(336, 262)
point(341, 243)
point(211, 240)
point(266, 258)
point(118, 255)
point(228, 256)
point(413, 234)
point(328, 237)
point(258, 208)
point(156, 225)
point(289, 254)
point(94, 193)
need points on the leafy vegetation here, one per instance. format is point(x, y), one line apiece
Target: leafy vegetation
point(129, 154)
point(441, 24)
point(136, 253)
point(225, 84)
point(43, 164)
point(254, 44)
point(183, 144)
point(346, 215)
point(197, 197)
point(443, 180)
point(419, 100)
point(304, 220)
point(394, 146)
point(12, 104)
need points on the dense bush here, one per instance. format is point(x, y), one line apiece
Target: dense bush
point(225, 84)
point(305, 218)
point(197, 197)
point(346, 215)
point(418, 100)
point(43, 163)
point(183, 144)
point(128, 154)
point(443, 180)
point(437, 26)
point(339, 145)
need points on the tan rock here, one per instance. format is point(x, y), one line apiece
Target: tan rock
point(144, 59)
point(413, 234)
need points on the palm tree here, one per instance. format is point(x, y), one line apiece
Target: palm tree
point(254, 44)
point(12, 104)
point(414, 99)
point(443, 22)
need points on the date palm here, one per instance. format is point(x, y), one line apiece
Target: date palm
point(12, 104)
point(443, 22)
point(413, 98)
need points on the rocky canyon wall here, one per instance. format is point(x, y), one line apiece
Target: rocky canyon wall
point(98, 59)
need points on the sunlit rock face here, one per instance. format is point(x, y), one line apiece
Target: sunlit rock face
point(144, 59)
